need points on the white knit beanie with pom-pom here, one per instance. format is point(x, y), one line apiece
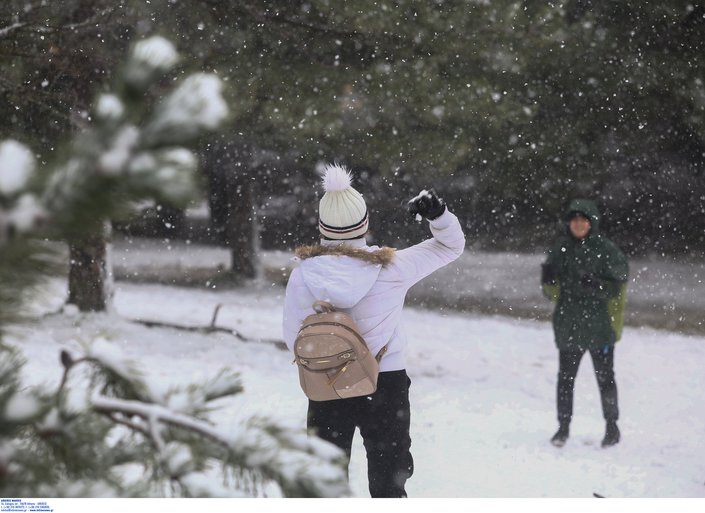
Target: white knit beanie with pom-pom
point(342, 213)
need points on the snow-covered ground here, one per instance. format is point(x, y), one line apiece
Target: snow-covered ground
point(663, 292)
point(482, 392)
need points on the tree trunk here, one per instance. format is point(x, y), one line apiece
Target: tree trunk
point(241, 229)
point(231, 198)
point(90, 275)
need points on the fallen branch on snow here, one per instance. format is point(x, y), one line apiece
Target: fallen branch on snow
point(212, 328)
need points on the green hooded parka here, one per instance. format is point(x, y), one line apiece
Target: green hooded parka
point(587, 280)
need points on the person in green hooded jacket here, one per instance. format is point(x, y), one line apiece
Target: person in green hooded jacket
point(585, 274)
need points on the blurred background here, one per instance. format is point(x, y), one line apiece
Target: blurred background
point(508, 108)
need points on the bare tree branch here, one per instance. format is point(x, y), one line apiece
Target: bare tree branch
point(153, 421)
point(43, 28)
point(5, 31)
point(110, 406)
point(124, 422)
point(211, 329)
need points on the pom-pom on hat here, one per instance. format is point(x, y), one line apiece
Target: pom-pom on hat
point(342, 213)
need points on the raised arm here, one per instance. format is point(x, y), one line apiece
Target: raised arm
point(446, 245)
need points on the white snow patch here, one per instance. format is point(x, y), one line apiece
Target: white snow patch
point(51, 421)
point(155, 53)
point(113, 161)
point(21, 407)
point(27, 213)
point(109, 107)
point(178, 458)
point(7, 452)
point(110, 355)
point(17, 165)
point(196, 104)
point(482, 394)
point(200, 485)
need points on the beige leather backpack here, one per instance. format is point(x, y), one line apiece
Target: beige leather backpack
point(333, 359)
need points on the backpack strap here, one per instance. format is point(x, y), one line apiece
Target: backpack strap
point(326, 307)
point(323, 307)
point(381, 354)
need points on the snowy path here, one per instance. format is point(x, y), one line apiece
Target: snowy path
point(482, 393)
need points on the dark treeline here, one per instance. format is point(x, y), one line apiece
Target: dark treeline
point(508, 108)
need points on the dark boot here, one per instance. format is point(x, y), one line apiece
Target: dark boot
point(611, 434)
point(561, 435)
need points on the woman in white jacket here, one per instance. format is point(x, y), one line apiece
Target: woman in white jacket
point(370, 283)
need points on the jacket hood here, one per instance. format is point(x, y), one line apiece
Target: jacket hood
point(341, 275)
point(588, 208)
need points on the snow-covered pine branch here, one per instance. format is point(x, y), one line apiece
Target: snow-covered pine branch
point(302, 466)
point(17, 166)
point(20, 211)
point(5, 31)
point(196, 106)
point(110, 428)
point(131, 151)
point(149, 60)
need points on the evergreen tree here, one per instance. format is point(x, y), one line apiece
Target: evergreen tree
point(128, 141)
point(519, 103)
point(105, 431)
point(54, 57)
point(522, 103)
point(619, 103)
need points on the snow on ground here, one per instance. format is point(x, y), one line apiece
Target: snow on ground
point(663, 292)
point(482, 392)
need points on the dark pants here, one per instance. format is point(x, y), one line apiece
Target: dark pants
point(603, 363)
point(383, 419)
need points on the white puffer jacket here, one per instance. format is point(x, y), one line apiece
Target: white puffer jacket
point(371, 293)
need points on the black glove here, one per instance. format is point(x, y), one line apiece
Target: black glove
point(549, 274)
point(427, 204)
point(590, 281)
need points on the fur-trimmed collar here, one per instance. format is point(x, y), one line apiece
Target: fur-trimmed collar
point(381, 256)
